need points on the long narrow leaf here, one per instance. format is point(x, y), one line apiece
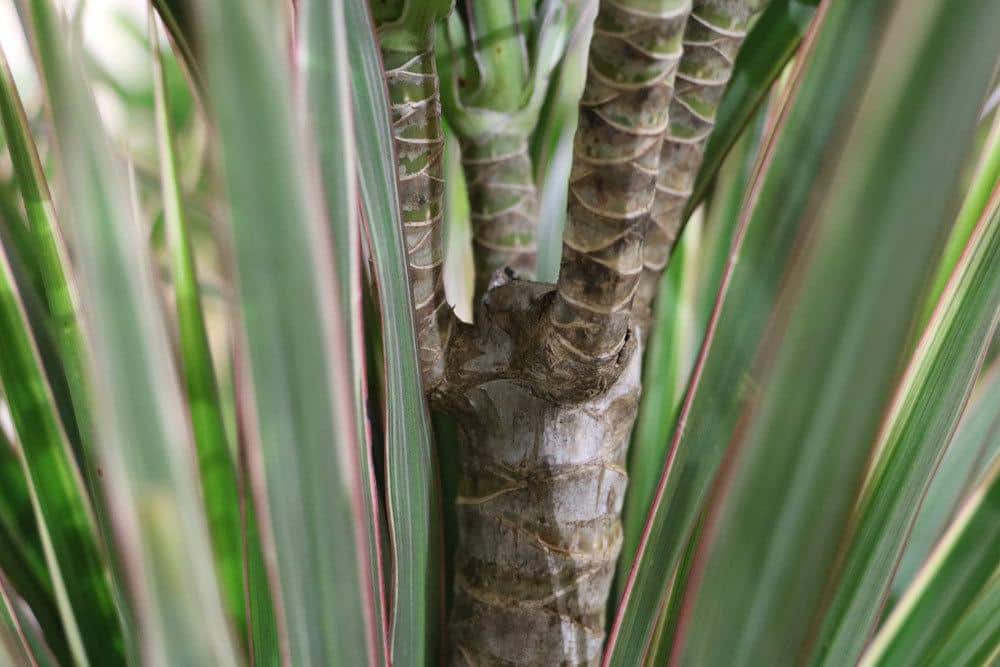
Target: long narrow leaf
point(949, 586)
point(296, 335)
point(52, 264)
point(77, 570)
point(928, 405)
point(828, 364)
point(22, 560)
point(14, 648)
point(145, 446)
point(413, 492)
point(215, 464)
point(984, 180)
point(721, 381)
point(323, 43)
point(970, 453)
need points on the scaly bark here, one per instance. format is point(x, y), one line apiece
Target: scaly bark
point(503, 205)
point(545, 385)
point(414, 98)
point(712, 38)
point(492, 91)
point(623, 115)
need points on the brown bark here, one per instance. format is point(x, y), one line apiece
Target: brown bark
point(541, 486)
point(545, 383)
point(416, 127)
point(714, 33)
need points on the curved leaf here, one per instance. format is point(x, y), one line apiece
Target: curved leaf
point(926, 410)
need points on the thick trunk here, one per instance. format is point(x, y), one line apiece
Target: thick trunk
point(541, 487)
point(538, 508)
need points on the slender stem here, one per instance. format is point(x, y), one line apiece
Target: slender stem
point(623, 116)
point(414, 99)
point(503, 204)
point(714, 33)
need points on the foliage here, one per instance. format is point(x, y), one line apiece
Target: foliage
point(212, 453)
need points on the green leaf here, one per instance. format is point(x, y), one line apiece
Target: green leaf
point(62, 510)
point(144, 444)
point(666, 368)
point(721, 379)
point(299, 385)
point(51, 262)
point(772, 42)
point(984, 180)
point(22, 560)
point(682, 308)
point(924, 415)
point(793, 179)
point(216, 467)
point(974, 639)
point(324, 45)
point(14, 647)
point(412, 488)
point(950, 595)
point(552, 141)
point(782, 506)
point(973, 448)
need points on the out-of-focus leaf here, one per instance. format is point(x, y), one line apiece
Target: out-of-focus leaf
point(925, 412)
point(179, 19)
point(62, 509)
point(216, 467)
point(22, 560)
point(412, 488)
point(775, 37)
point(683, 306)
point(974, 640)
point(950, 595)
point(299, 385)
point(323, 44)
point(14, 648)
point(984, 181)
point(971, 451)
point(51, 262)
point(145, 446)
point(782, 505)
point(766, 250)
point(721, 380)
point(669, 355)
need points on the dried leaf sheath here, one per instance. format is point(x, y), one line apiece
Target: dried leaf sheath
point(714, 34)
point(416, 128)
point(504, 205)
point(623, 116)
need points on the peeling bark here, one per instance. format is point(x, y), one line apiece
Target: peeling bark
point(714, 33)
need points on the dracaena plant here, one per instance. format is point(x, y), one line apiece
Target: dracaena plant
point(726, 392)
